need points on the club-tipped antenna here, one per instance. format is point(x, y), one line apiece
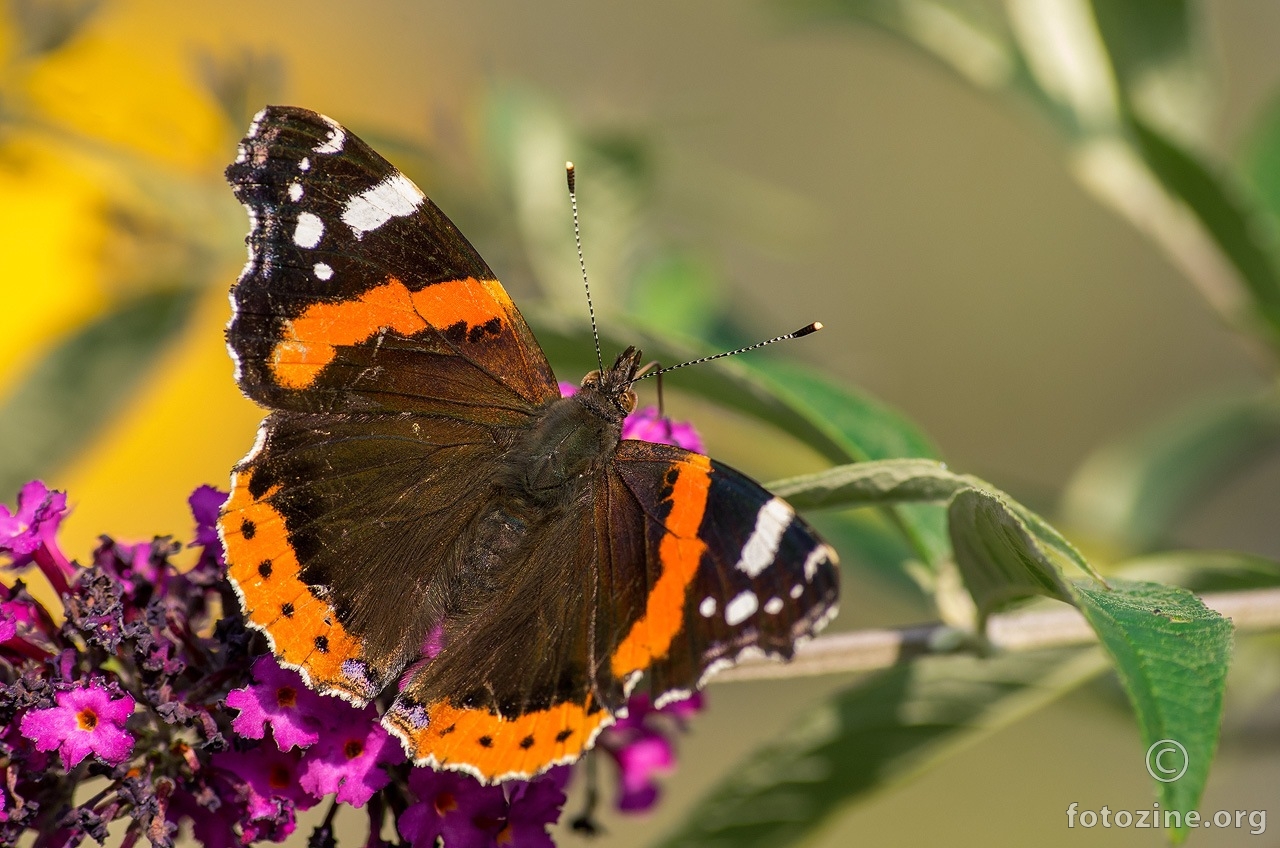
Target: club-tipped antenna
point(582, 263)
point(800, 333)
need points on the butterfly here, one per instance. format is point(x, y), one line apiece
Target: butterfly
point(422, 509)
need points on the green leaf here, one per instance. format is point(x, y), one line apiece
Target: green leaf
point(881, 731)
point(903, 481)
point(873, 541)
point(998, 557)
point(75, 389)
point(1226, 216)
point(872, 484)
point(1171, 654)
point(1170, 651)
point(1261, 161)
point(1130, 494)
point(1156, 48)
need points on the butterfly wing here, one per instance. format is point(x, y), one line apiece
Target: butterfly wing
point(727, 568)
point(671, 565)
point(359, 294)
point(514, 689)
point(328, 512)
point(399, 370)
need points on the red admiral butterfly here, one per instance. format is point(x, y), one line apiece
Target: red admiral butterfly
point(422, 506)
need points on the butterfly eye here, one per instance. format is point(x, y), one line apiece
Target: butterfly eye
point(627, 400)
point(592, 379)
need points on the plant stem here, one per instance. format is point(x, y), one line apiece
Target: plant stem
point(1028, 630)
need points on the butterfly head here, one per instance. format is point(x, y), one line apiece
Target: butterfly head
point(614, 383)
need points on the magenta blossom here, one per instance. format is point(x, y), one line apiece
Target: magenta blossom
point(35, 521)
point(270, 781)
point(205, 503)
point(350, 760)
point(29, 533)
point(279, 699)
point(454, 806)
point(87, 720)
point(648, 426)
point(643, 749)
point(532, 806)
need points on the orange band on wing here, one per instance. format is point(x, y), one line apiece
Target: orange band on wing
point(261, 563)
point(494, 747)
point(311, 340)
point(679, 552)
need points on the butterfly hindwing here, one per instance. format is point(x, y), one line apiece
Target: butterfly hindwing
point(330, 511)
point(616, 587)
point(730, 568)
point(359, 294)
point(513, 689)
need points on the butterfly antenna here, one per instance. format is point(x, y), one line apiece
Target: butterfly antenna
point(800, 333)
point(577, 239)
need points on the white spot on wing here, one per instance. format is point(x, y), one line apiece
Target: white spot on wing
point(816, 557)
point(337, 137)
point(742, 607)
point(797, 590)
point(396, 196)
point(310, 229)
point(707, 607)
point(773, 606)
point(305, 164)
point(771, 522)
point(256, 123)
point(295, 191)
point(322, 271)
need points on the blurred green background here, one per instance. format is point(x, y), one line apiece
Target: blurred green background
point(815, 170)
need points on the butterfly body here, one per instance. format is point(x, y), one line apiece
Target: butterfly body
point(422, 507)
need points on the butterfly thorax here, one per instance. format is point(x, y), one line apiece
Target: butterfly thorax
point(573, 435)
point(547, 470)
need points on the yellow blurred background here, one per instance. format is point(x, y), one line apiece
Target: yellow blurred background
point(828, 172)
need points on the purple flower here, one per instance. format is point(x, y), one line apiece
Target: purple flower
point(279, 699)
point(210, 828)
point(350, 760)
point(270, 780)
point(206, 502)
point(87, 720)
point(643, 749)
point(453, 806)
point(39, 513)
point(29, 533)
point(648, 426)
point(531, 807)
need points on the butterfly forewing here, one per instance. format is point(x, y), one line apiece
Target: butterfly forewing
point(359, 294)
